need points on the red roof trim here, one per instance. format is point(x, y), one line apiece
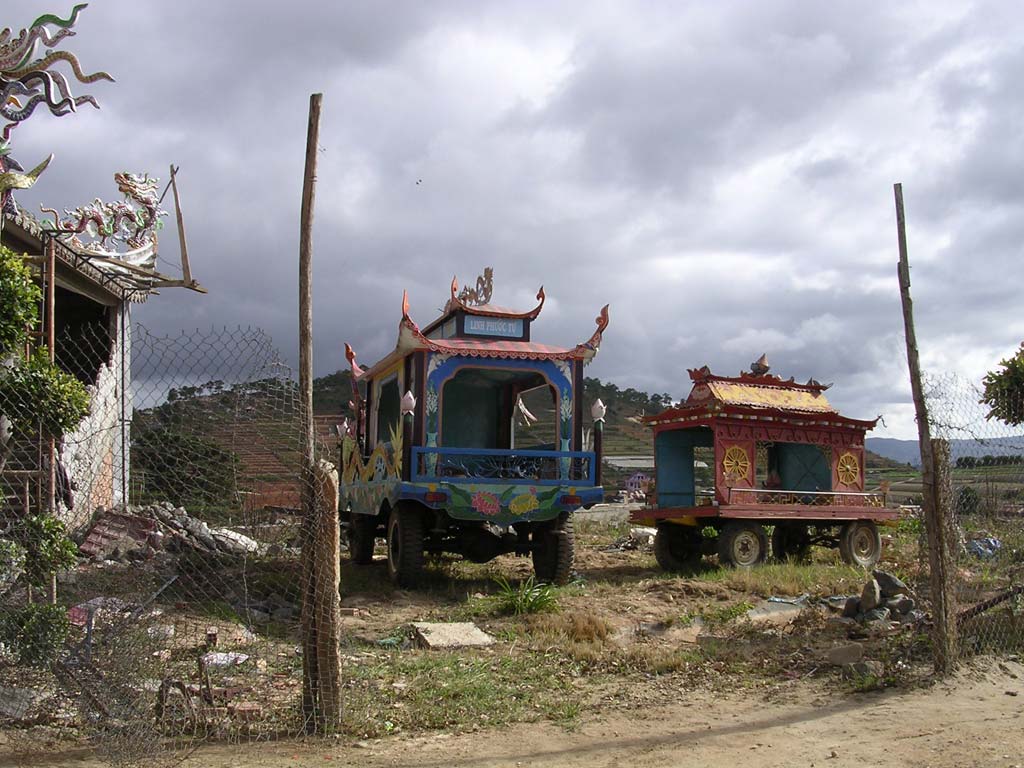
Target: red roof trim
point(711, 412)
point(702, 375)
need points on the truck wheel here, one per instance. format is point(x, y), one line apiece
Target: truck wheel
point(405, 546)
point(860, 544)
point(677, 547)
point(362, 533)
point(553, 551)
point(742, 543)
point(790, 541)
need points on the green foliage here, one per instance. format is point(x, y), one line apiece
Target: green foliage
point(12, 563)
point(48, 548)
point(35, 633)
point(40, 395)
point(1004, 390)
point(19, 299)
point(184, 467)
point(527, 597)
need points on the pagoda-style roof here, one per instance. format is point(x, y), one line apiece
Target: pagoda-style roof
point(463, 341)
point(759, 395)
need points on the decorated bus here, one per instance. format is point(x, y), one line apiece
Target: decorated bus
point(444, 455)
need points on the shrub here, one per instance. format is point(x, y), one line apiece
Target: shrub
point(48, 548)
point(35, 633)
point(38, 394)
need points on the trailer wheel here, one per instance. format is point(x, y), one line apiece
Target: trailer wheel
point(405, 546)
point(553, 544)
point(860, 544)
point(791, 541)
point(362, 533)
point(742, 543)
point(677, 547)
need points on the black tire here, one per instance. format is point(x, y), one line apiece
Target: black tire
point(742, 543)
point(677, 547)
point(553, 545)
point(405, 546)
point(362, 535)
point(860, 543)
point(791, 541)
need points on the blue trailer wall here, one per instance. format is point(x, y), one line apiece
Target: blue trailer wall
point(673, 455)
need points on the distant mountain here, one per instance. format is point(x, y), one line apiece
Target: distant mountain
point(902, 451)
point(907, 451)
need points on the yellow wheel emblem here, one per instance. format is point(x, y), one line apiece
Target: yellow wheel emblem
point(736, 463)
point(848, 469)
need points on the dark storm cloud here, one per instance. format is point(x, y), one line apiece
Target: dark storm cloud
point(721, 174)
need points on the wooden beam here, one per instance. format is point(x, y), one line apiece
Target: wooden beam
point(186, 271)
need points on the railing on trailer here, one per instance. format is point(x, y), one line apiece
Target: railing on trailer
point(503, 466)
point(807, 498)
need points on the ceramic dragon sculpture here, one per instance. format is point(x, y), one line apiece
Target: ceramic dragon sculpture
point(27, 80)
point(133, 221)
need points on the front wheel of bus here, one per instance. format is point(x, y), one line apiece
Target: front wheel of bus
point(405, 546)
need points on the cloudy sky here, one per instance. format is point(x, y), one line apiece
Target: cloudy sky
point(720, 173)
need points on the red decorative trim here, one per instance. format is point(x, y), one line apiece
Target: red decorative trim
point(704, 374)
point(706, 413)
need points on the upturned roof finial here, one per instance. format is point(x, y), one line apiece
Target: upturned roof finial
point(760, 366)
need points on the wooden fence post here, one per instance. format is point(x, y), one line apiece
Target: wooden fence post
point(311, 708)
point(935, 515)
point(942, 562)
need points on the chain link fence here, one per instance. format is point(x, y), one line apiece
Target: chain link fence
point(980, 482)
point(173, 614)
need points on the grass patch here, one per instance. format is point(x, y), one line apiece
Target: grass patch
point(526, 597)
point(582, 637)
point(415, 691)
point(770, 579)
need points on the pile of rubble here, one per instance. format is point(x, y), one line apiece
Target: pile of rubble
point(883, 600)
point(135, 533)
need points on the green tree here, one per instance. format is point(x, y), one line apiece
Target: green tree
point(1004, 390)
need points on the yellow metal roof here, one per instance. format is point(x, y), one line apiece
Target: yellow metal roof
point(761, 396)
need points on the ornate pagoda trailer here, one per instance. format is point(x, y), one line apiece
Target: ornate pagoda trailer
point(441, 468)
point(782, 456)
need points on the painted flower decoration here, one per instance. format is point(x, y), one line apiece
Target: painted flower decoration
point(523, 503)
point(486, 503)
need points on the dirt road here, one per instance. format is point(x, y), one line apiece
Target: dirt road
point(976, 720)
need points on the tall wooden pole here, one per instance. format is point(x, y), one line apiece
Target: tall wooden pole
point(310, 677)
point(939, 551)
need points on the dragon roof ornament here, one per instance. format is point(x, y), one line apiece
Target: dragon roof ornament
point(133, 221)
point(26, 81)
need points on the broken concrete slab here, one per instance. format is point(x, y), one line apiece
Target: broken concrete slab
point(773, 613)
point(220, 659)
point(844, 654)
point(459, 634)
point(16, 702)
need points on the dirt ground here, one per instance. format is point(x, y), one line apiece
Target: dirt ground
point(633, 667)
point(977, 719)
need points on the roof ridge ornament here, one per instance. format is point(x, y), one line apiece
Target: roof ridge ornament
point(477, 296)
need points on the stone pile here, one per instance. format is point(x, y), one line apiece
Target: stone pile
point(884, 599)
